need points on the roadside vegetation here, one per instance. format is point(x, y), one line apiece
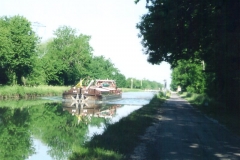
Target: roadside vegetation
point(215, 110)
point(119, 140)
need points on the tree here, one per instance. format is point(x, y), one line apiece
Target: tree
point(102, 68)
point(197, 30)
point(68, 57)
point(15, 135)
point(17, 51)
point(120, 79)
point(190, 76)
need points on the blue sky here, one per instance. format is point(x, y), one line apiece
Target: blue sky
point(110, 23)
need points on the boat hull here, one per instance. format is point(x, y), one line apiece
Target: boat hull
point(103, 90)
point(81, 96)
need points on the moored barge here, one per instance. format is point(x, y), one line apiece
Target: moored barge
point(98, 90)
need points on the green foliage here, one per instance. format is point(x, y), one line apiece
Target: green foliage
point(195, 30)
point(189, 76)
point(15, 136)
point(17, 51)
point(46, 121)
point(164, 95)
point(62, 60)
point(102, 68)
point(17, 92)
point(67, 58)
point(143, 84)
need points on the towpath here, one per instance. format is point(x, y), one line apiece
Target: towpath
point(182, 132)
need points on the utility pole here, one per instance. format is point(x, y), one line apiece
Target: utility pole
point(165, 86)
point(203, 65)
point(36, 26)
point(131, 83)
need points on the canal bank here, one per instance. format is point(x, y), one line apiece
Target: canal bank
point(119, 140)
point(49, 129)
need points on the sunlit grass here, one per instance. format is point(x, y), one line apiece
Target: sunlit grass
point(131, 90)
point(95, 154)
point(26, 92)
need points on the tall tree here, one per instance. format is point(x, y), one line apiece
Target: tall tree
point(102, 68)
point(197, 30)
point(17, 51)
point(68, 57)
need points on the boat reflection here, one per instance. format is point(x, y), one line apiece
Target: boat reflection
point(85, 111)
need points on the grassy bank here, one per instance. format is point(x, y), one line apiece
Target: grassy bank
point(215, 110)
point(24, 92)
point(20, 92)
point(120, 139)
point(131, 90)
point(22, 103)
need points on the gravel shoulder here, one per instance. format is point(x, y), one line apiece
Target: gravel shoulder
point(182, 132)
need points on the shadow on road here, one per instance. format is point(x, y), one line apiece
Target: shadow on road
point(184, 133)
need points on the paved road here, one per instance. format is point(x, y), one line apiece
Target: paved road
point(182, 133)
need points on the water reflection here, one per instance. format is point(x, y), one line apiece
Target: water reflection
point(89, 112)
point(85, 111)
point(43, 129)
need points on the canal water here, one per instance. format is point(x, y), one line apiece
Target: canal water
point(50, 128)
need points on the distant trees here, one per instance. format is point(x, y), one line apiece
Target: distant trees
point(102, 68)
point(17, 49)
point(62, 60)
point(193, 30)
point(143, 84)
point(190, 76)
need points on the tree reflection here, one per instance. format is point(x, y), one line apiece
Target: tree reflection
point(59, 129)
point(15, 136)
point(54, 125)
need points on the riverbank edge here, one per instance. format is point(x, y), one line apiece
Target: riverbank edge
point(119, 140)
point(24, 92)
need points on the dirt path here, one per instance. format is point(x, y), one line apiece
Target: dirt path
point(182, 132)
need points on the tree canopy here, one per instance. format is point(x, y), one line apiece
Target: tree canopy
point(62, 60)
point(68, 56)
point(17, 48)
point(195, 31)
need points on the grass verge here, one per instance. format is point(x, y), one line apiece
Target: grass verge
point(131, 90)
point(20, 92)
point(119, 140)
point(215, 110)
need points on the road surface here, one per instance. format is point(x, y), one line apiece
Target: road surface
point(182, 132)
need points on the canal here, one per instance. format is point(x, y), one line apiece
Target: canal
point(50, 129)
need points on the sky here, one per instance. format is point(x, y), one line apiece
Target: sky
point(110, 23)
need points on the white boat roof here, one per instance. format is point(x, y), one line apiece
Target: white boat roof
point(101, 89)
point(101, 80)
